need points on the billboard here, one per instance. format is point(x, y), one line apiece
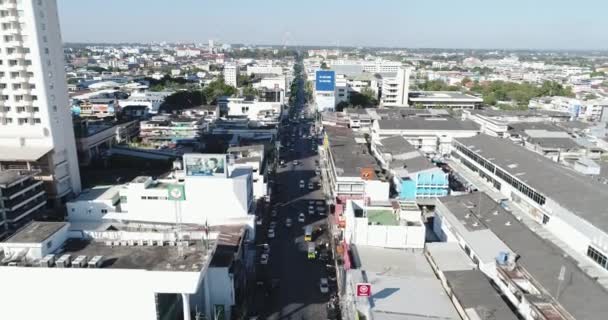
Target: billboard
point(205, 165)
point(325, 80)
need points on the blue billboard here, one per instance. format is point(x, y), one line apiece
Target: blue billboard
point(325, 80)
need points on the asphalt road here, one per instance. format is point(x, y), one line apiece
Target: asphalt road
point(297, 295)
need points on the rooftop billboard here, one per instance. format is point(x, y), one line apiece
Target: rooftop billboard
point(325, 80)
point(205, 165)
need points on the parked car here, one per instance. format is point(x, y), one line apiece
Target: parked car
point(301, 218)
point(271, 233)
point(288, 223)
point(264, 258)
point(302, 185)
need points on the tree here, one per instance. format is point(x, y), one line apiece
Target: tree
point(598, 74)
point(341, 106)
point(249, 90)
point(183, 100)
point(217, 89)
point(324, 66)
point(465, 81)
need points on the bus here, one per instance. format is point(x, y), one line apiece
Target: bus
point(308, 233)
point(312, 254)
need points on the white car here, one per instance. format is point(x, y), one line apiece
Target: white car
point(311, 186)
point(271, 233)
point(323, 285)
point(295, 162)
point(311, 210)
point(259, 221)
point(301, 218)
point(302, 185)
point(264, 258)
point(288, 223)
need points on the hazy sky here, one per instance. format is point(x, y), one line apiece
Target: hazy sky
point(546, 24)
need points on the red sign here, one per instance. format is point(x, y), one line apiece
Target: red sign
point(364, 289)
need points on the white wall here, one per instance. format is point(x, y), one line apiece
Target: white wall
point(377, 190)
point(221, 288)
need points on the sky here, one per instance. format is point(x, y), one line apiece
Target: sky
point(476, 24)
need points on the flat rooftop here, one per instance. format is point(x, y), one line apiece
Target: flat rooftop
point(348, 155)
point(403, 285)
point(428, 124)
point(444, 96)
point(152, 258)
point(581, 296)
point(382, 217)
point(36, 232)
point(99, 193)
point(474, 291)
point(547, 177)
point(449, 256)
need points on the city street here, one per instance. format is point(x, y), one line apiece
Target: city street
point(292, 279)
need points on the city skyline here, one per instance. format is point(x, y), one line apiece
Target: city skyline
point(543, 24)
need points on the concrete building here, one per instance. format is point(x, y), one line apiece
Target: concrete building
point(403, 287)
point(395, 90)
point(151, 100)
point(161, 274)
point(536, 277)
point(220, 198)
point(95, 138)
point(351, 169)
point(35, 120)
point(231, 74)
point(163, 130)
point(255, 110)
point(413, 175)
point(264, 69)
point(252, 157)
point(496, 122)
point(22, 199)
point(432, 135)
point(566, 203)
point(444, 100)
point(383, 227)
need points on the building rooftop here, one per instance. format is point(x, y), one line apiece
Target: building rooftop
point(404, 286)
point(427, 124)
point(36, 232)
point(153, 258)
point(423, 96)
point(396, 145)
point(23, 153)
point(474, 291)
point(382, 217)
point(547, 177)
point(349, 156)
point(581, 295)
point(449, 256)
point(99, 193)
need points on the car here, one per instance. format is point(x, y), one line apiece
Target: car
point(288, 223)
point(311, 186)
point(323, 285)
point(301, 218)
point(264, 258)
point(302, 184)
point(259, 221)
point(273, 213)
point(271, 233)
point(320, 202)
point(295, 162)
point(311, 202)
point(272, 225)
point(282, 163)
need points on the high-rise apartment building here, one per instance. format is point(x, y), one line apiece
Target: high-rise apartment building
point(231, 74)
point(35, 120)
point(395, 91)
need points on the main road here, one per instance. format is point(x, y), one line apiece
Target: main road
point(295, 293)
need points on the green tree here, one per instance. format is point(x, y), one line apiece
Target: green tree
point(341, 106)
point(324, 66)
point(183, 100)
point(598, 74)
point(217, 89)
point(249, 90)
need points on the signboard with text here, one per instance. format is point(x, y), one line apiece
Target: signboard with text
point(325, 80)
point(364, 289)
point(205, 165)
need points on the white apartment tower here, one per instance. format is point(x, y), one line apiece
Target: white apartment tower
point(36, 130)
point(395, 90)
point(231, 74)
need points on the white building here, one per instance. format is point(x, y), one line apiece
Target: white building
point(213, 199)
point(151, 100)
point(35, 119)
point(268, 112)
point(395, 91)
point(264, 69)
point(141, 275)
point(231, 74)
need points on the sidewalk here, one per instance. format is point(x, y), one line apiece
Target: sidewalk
point(587, 266)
